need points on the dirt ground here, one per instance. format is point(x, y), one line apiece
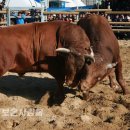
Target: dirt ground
point(24, 103)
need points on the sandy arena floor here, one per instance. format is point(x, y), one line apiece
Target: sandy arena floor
point(104, 109)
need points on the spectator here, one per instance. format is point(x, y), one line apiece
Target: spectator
point(128, 17)
point(20, 18)
point(2, 4)
point(125, 18)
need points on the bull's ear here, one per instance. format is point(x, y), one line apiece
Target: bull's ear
point(111, 65)
point(63, 50)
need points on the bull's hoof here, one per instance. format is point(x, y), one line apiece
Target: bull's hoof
point(118, 90)
point(85, 95)
point(21, 74)
point(55, 100)
point(127, 91)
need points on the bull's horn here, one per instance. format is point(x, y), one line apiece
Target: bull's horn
point(92, 53)
point(64, 50)
point(90, 57)
point(111, 65)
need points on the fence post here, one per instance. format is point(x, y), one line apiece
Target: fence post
point(42, 10)
point(8, 16)
point(109, 6)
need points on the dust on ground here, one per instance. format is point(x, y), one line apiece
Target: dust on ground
point(24, 103)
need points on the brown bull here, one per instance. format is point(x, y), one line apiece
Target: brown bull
point(58, 48)
point(106, 53)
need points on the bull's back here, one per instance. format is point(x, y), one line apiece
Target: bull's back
point(15, 47)
point(101, 35)
point(46, 38)
point(20, 34)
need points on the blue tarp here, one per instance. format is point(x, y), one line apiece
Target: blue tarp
point(38, 1)
point(67, 8)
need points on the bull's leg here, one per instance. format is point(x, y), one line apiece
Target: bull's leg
point(113, 84)
point(60, 89)
point(21, 74)
point(119, 77)
point(2, 72)
point(58, 96)
point(3, 69)
point(110, 76)
point(60, 78)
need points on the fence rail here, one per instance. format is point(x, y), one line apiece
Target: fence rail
point(3, 23)
point(93, 10)
point(121, 30)
point(3, 11)
point(117, 26)
point(46, 13)
point(117, 12)
point(120, 23)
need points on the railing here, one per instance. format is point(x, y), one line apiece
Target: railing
point(93, 10)
point(119, 26)
point(116, 26)
point(4, 12)
point(46, 13)
point(117, 12)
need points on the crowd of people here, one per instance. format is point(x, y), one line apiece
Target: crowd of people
point(64, 17)
point(22, 17)
point(112, 17)
point(2, 16)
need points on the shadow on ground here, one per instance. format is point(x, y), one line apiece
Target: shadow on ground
point(31, 88)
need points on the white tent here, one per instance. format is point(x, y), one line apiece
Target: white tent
point(79, 3)
point(61, 0)
point(70, 4)
point(22, 3)
point(74, 3)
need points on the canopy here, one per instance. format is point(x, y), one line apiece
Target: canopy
point(70, 4)
point(79, 3)
point(22, 3)
point(75, 3)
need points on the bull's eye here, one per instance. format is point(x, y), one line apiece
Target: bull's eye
point(86, 48)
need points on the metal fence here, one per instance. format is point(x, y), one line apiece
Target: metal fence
point(116, 26)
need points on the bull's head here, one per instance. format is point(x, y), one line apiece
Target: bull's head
point(95, 72)
point(75, 62)
point(73, 43)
